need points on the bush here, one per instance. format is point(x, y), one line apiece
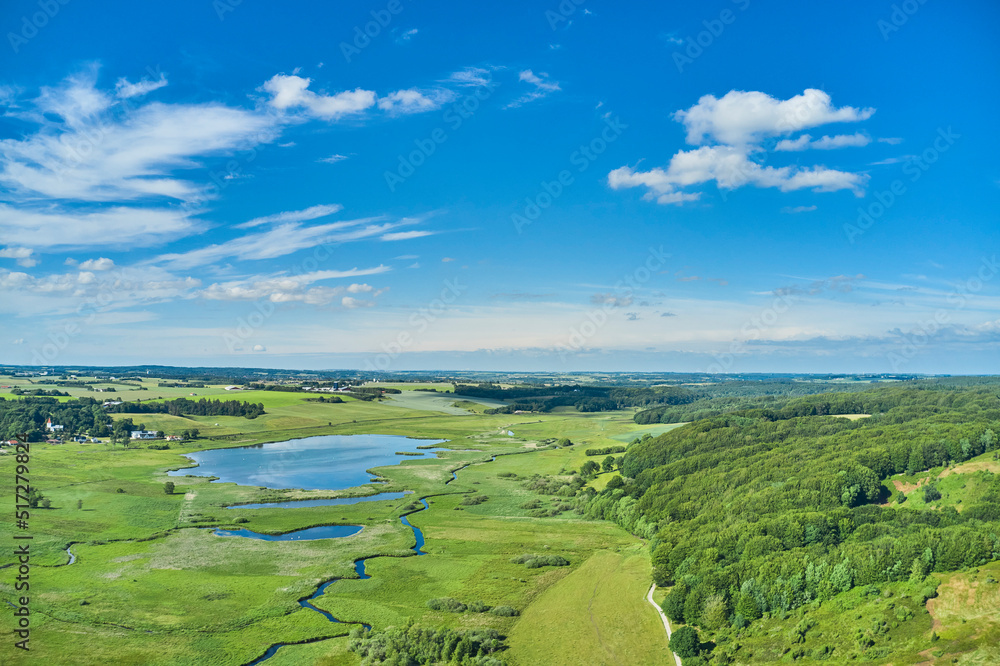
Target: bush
point(931, 494)
point(447, 604)
point(479, 607)
point(505, 611)
point(532, 561)
point(473, 500)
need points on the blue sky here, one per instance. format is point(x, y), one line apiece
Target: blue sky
point(726, 187)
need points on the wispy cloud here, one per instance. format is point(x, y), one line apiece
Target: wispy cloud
point(311, 213)
point(126, 90)
point(806, 142)
point(404, 102)
point(282, 240)
point(405, 235)
point(542, 88)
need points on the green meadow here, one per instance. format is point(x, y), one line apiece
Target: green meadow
point(151, 584)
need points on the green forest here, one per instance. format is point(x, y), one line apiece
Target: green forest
point(766, 510)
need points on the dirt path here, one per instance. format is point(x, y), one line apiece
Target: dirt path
point(666, 622)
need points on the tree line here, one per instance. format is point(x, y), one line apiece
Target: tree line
point(185, 407)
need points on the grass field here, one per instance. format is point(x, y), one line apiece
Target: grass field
point(149, 586)
point(594, 616)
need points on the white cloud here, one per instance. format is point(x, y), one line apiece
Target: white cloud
point(294, 288)
point(16, 252)
point(730, 167)
point(259, 348)
point(292, 92)
point(100, 151)
point(126, 90)
point(805, 142)
point(470, 76)
point(414, 101)
point(67, 293)
point(279, 241)
point(102, 264)
point(891, 140)
point(310, 213)
point(739, 121)
point(332, 159)
point(353, 303)
point(406, 36)
point(893, 160)
point(119, 226)
point(543, 86)
point(798, 209)
point(405, 235)
point(741, 117)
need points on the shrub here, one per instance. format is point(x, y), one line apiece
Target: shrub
point(532, 561)
point(479, 607)
point(505, 611)
point(447, 604)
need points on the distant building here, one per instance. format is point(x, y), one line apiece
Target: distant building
point(231, 388)
point(143, 434)
point(50, 427)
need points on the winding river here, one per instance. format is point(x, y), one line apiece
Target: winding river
point(359, 568)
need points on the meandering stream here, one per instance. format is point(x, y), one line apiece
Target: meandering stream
point(359, 568)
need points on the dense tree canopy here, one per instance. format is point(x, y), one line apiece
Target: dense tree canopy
point(765, 510)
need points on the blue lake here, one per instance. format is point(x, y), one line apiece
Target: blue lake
point(338, 501)
point(308, 534)
point(325, 462)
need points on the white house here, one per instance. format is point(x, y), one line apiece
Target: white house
point(50, 427)
point(143, 434)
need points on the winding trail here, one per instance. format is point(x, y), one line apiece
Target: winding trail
point(666, 622)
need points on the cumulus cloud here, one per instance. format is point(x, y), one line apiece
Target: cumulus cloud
point(102, 264)
point(291, 92)
point(122, 288)
point(737, 124)
point(542, 87)
point(23, 255)
point(744, 117)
